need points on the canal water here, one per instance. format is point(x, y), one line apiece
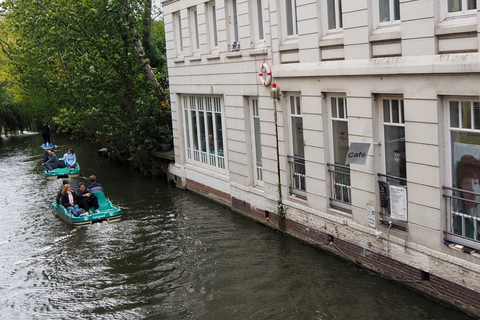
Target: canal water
point(173, 256)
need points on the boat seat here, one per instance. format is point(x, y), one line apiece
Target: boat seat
point(103, 203)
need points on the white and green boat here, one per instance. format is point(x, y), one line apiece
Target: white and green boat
point(106, 212)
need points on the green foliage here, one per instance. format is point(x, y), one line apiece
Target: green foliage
point(78, 64)
point(14, 116)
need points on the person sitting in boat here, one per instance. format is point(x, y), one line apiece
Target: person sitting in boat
point(69, 199)
point(70, 159)
point(86, 199)
point(46, 134)
point(59, 193)
point(94, 185)
point(52, 163)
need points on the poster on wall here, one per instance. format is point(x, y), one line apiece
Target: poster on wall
point(398, 202)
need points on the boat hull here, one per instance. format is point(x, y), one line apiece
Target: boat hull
point(62, 173)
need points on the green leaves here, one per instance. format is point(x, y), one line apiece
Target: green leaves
point(77, 63)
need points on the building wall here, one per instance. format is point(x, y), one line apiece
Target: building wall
point(425, 59)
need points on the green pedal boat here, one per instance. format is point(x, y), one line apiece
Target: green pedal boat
point(106, 212)
point(62, 173)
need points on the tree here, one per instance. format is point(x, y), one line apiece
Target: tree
point(82, 63)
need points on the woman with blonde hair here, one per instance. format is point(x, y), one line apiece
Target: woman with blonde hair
point(69, 200)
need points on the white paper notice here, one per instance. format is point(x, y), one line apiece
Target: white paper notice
point(371, 216)
point(398, 203)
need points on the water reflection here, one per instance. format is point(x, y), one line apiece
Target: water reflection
point(173, 256)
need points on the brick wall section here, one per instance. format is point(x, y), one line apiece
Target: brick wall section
point(245, 208)
point(432, 285)
point(213, 194)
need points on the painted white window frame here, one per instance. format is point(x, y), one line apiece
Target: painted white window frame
point(340, 191)
point(296, 161)
point(391, 122)
point(231, 14)
point(212, 25)
point(255, 122)
point(257, 22)
point(194, 29)
point(376, 14)
point(288, 16)
point(201, 149)
point(472, 129)
point(328, 18)
point(178, 34)
point(463, 16)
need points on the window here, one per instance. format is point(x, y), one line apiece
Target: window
point(464, 217)
point(256, 142)
point(291, 13)
point(232, 24)
point(334, 14)
point(461, 5)
point(177, 24)
point(339, 172)
point(388, 10)
point(385, 13)
point(257, 22)
point(194, 33)
point(394, 137)
point(203, 130)
point(393, 183)
point(297, 160)
point(212, 25)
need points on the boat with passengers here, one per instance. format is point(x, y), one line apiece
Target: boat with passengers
point(106, 212)
point(62, 173)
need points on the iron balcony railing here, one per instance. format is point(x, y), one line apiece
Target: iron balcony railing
point(463, 216)
point(297, 176)
point(341, 190)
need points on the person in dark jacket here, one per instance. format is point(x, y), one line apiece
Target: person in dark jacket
point(52, 162)
point(86, 199)
point(59, 193)
point(94, 185)
point(69, 200)
point(46, 134)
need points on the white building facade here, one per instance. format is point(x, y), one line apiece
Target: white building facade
point(369, 146)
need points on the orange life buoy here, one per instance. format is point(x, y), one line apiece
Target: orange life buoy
point(265, 74)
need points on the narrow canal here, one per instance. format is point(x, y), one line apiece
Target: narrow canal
point(173, 256)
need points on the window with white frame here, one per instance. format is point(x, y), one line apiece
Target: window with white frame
point(212, 25)
point(204, 137)
point(461, 5)
point(464, 214)
point(232, 24)
point(194, 32)
point(256, 142)
point(177, 26)
point(289, 18)
point(334, 14)
point(457, 12)
point(297, 158)
point(257, 21)
point(394, 140)
point(393, 183)
point(339, 172)
point(386, 12)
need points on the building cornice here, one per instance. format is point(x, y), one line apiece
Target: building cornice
point(439, 64)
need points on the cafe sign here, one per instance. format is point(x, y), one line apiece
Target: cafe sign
point(357, 153)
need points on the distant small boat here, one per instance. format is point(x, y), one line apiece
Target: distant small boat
point(61, 173)
point(48, 146)
point(108, 212)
